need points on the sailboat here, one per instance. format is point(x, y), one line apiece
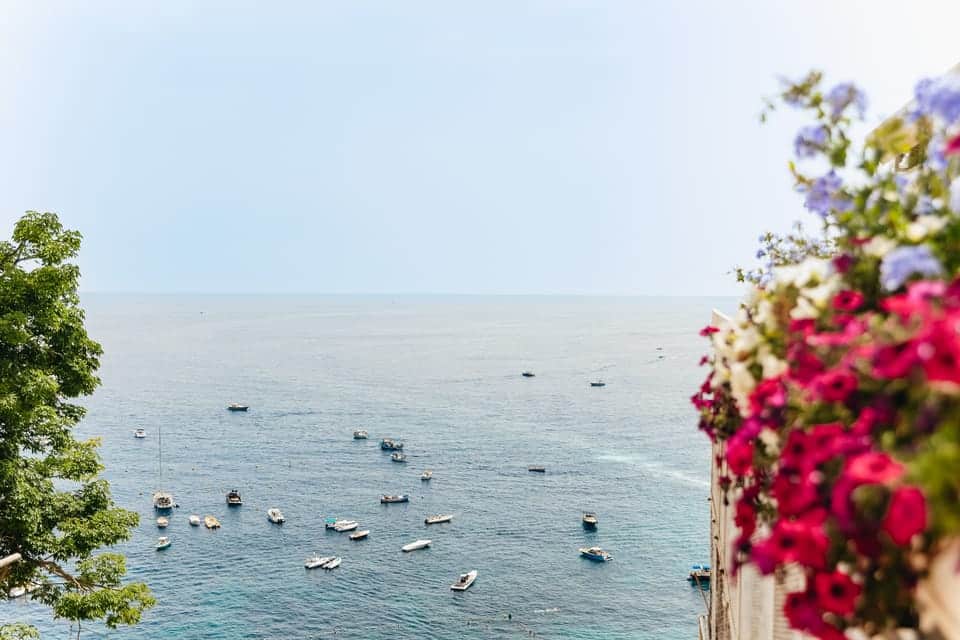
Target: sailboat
point(162, 500)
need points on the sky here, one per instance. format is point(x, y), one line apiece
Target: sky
point(495, 147)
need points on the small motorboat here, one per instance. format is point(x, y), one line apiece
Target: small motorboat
point(162, 501)
point(162, 543)
point(416, 544)
point(360, 434)
point(537, 469)
point(598, 383)
point(140, 433)
point(590, 520)
point(162, 522)
point(699, 573)
point(437, 519)
point(315, 561)
point(210, 522)
point(236, 406)
point(389, 444)
point(398, 457)
point(346, 525)
point(332, 564)
point(393, 499)
point(233, 498)
point(194, 520)
point(331, 523)
point(465, 580)
point(19, 592)
point(426, 475)
point(275, 516)
point(359, 535)
point(596, 554)
point(528, 374)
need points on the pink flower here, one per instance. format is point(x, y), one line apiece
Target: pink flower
point(794, 491)
point(836, 592)
point(802, 611)
point(708, 330)
point(802, 541)
point(842, 263)
point(906, 516)
point(745, 518)
point(953, 146)
point(872, 468)
point(804, 366)
point(834, 386)
point(895, 360)
point(770, 393)
point(939, 351)
point(847, 300)
point(740, 456)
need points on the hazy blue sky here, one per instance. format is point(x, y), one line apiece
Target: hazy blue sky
point(393, 146)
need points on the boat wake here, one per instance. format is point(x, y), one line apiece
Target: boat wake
point(655, 467)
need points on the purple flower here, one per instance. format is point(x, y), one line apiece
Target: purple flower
point(842, 96)
point(939, 97)
point(761, 253)
point(936, 158)
point(824, 195)
point(810, 141)
point(903, 262)
point(924, 206)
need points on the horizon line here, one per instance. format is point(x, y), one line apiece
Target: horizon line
point(406, 294)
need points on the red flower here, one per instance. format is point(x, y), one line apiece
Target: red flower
point(745, 518)
point(906, 516)
point(740, 456)
point(953, 146)
point(769, 393)
point(794, 491)
point(804, 326)
point(802, 541)
point(804, 366)
point(847, 300)
point(708, 330)
point(868, 420)
point(842, 263)
point(939, 352)
point(872, 468)
point(802, 611)
point(895, 360)
point(834, 386)
point(836, 592)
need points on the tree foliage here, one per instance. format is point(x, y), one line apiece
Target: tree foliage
point(54, 509)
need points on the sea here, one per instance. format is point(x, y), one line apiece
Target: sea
point(442, 374)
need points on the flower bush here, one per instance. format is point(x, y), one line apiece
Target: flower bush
point(836, 388)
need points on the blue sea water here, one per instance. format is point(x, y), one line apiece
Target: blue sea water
point(443, 375)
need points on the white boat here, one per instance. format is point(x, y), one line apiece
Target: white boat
point(416, 544)
point(275, 516)
point(162, 543)
point(394, 499)
point(360, 434)
point(346, 525)
point(426, 475)
point(236, 406)
point(194, 520)
point(596, 554)
point(315, 561)
point(464, 582)
point(333, 564)
point(210, 522)
point(398, 456)
point(360, 535)
point(234, 499)
point(437, 519)
point(19, 592)
point(162, 522)
point(140, 433)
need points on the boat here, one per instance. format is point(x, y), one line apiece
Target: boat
point(426, 475)
point(210, 522)
point(437, 519)
point(537, 469)
point(359, 535)
point(162, 543)
point(162, 500)
point(315, 561)
point(392, 499)
point(590, 520)
point(331, 523)
point(162, 522)
point(398, 457)
point(360, 434)
point(275, 516)
point(596, 554)
point(236, 406)
point(332, 564)
point(194, 520)
point(699, 573)
point(19, 592)
point(346, 525)
point(528, 374)
point(598, 383)
point(233, 498)
point(140, 433)
point(389, 444)
point(416, 544)
point(465, 580)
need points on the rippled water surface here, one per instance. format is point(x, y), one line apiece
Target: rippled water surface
point(443, 375)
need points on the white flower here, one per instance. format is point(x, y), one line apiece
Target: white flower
point(770, 440)
point(764, 314)
point(745, 341)
point(821, 295)
point(879, 246)
point(804, 309)
point(741, 384)
point(772, 365)
point(924, 226)
point(812, 270)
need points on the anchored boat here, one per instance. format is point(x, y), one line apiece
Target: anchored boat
point(699, 573)
point(465, 580)
point(426, 475)
point(438, 519)
point(275, 516)
point(537, 469)
point(346, 525)
point(389, 444)
point(398, 457)
point(139, 433)
point(360, 434)
point(590, 521)
point(315, 561)
point(233, 498)
point(360, 535)
point(528, 374)
point(210, 522)
point(393, 499)
point(162, 543)
point(596, 554)
point(236, 406)
point(333, 564)
point(598, 383)
point(194, 520)
point(416, 544)
point(162, 522)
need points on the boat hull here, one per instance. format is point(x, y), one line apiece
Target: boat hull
point(463, 585)
point(414, 546)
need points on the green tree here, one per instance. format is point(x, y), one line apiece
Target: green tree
point(55, 510)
